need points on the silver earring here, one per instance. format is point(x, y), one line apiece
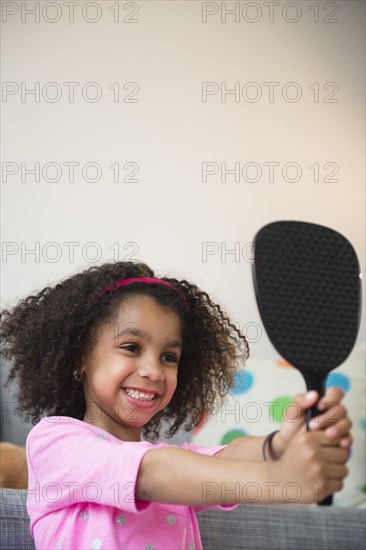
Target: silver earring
point(77, 376)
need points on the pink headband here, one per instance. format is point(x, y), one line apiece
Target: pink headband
point(149, 280)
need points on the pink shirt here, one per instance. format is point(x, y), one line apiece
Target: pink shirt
point(81, 492)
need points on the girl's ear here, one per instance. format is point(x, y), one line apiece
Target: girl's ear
point(80, 366)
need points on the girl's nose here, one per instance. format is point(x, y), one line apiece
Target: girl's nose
point(151, 369)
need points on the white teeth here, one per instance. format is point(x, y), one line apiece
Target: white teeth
point(140, 395)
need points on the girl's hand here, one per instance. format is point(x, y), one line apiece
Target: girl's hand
point(334, 420)
point(312, 465)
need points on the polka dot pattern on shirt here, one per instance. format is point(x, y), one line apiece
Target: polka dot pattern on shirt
point(121, 519)
point(171, 520)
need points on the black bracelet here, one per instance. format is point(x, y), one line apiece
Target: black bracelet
point(268, 441)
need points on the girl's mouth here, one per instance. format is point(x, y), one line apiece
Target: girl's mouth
point(140, 395)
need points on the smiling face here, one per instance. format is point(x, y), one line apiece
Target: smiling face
point(131, 372)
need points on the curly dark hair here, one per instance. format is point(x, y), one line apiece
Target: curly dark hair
point(45, 336)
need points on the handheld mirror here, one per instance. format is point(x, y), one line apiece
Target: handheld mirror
point(307, 284)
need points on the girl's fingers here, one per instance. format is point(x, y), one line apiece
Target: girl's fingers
point(335, 455)
point(340, 429)
point(300, 404)
point(331, 416)
point(346, 442)
point(337, 471)
point(332, 396)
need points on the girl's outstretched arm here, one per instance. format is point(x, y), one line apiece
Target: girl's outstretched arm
point(312, 465)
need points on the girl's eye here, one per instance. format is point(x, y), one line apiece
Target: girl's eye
point(130, 347)
point(171, 358)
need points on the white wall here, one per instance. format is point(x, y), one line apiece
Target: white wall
point(169, 132)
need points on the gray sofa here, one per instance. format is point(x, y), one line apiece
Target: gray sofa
point(252, 527)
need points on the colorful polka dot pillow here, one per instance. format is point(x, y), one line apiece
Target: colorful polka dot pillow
point(258, 401)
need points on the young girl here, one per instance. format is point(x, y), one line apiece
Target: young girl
point(108, 354)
